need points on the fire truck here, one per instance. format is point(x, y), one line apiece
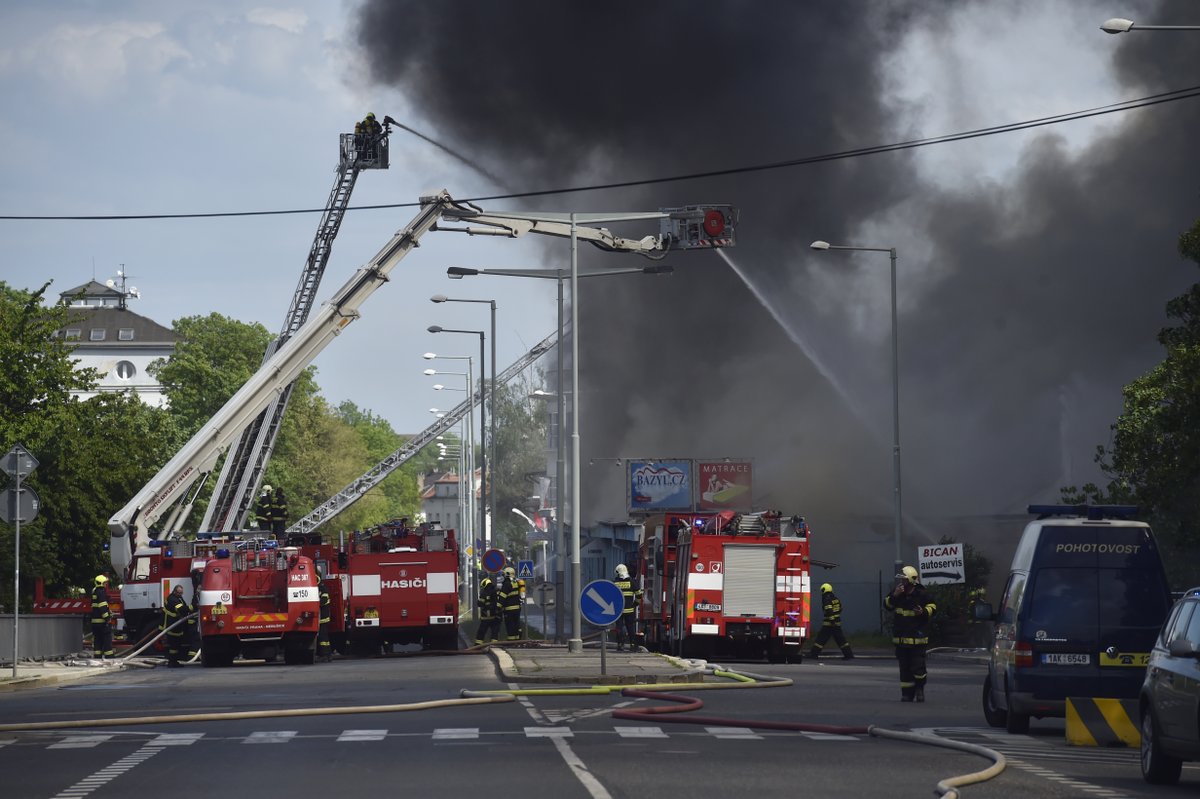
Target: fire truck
point(258, 600)
point(726, 584)
point(400, 587)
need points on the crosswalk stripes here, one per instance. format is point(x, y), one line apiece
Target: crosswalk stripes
point(741, 733)
point(641, 732)
point(271, 737)
point(177, 738)
point(80, 741)
point(1027, 747)
point(456, 734)
point(362, 735)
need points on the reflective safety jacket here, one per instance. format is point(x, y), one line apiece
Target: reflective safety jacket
point(487, 599)
point(100, 613)
point(510, 596)
point(631, 594)
point(326, 605)
point(911, 612)
point(174, 609)
point(831, 610)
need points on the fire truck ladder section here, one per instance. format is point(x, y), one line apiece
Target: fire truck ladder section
point(242, 472)
point(353, 492)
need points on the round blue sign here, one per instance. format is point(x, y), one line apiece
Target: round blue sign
point(601, 602)
point(493, 560)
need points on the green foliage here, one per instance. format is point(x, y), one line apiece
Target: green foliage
point(214, 357)
point(521, 456)
point(1154, 458)
point(949, 624)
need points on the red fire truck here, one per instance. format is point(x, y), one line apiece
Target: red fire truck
point(257, 600)
point(726, 584)
point(400, 586)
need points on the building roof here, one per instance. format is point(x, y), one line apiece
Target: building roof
point(101, 308)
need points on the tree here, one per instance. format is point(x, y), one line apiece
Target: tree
point(1154, 458)
point(521, 456)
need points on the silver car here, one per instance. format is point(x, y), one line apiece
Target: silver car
point(1170, 696)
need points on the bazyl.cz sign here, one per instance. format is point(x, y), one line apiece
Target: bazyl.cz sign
point(941, 564)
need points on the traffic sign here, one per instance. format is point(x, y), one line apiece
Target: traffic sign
point(601, 602)
point(18, 461)
point(941, 564)
point(525, 569)
point(493, 560)
point(18, 506)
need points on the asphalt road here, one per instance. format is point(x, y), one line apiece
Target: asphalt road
point(372, 741)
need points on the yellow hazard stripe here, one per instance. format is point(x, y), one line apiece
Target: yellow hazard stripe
point(1102, 722)
point(261, 617)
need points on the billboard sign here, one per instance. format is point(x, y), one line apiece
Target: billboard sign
point(941, 564)
point(724, 485)
point(660, 485)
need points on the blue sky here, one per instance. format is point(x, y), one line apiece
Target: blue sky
point(150, 107)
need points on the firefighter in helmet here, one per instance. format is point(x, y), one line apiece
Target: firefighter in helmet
point(831, 625)
point(175, 609)
point(102, 646)
point(911, 608)
point(489, 613)
point(510, 603)
point(279, 512)
point(977, 629)
point(262, 511)
point(627, 623)
point(324, 647)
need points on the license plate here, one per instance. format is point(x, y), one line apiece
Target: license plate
point(1066, 658)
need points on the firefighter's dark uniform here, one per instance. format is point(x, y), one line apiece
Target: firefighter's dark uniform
point(510, 603)
point(627, 623)
point(324, 648)
point(279, 512)
point(978, 631)
point(911, 608)
point(102, 645)
point(174, 609)
point(831, 625)
point(262, 511)
point(489, 613)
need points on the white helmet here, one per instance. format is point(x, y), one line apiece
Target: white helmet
point(622, 572)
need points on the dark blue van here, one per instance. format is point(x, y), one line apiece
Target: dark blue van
point(1085, 598)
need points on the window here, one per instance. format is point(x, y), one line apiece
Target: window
point(1193, 629)
point(98, 334)
point(125, 370)
point(125, 334)
point(1176, 625)
point(74, 334)
point(1011, 605)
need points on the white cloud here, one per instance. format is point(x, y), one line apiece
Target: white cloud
point(288, 19)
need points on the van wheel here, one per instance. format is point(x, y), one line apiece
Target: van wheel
point(995, 717)
point(1158, 768)
point(1016, 723)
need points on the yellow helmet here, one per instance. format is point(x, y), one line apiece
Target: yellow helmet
point(826, 588)
point(509, 571)
point(911, 574)
point(101, 579)
point(370, 115)
point(622, 571)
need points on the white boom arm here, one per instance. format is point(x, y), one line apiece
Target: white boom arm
point(130, 526)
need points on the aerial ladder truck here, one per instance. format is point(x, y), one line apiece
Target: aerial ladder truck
point(242, 472)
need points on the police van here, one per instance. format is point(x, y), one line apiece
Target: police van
point(1085, 598)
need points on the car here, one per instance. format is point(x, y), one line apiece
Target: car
point(1085, 598)
point(1169, 702)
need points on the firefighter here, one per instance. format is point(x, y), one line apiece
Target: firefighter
point(489, 613)
point(831, 625)
point(174, 609)
point(911, 608)
point(510, 604)
point(324, 648)
point(279, 512)
point(102, 646)
point(977, 630)
point(370, 133)
point(627, 623)
point(262, 511)
point(193, 629)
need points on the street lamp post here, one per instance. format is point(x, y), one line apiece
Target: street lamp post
point(489, 443)
point(897, 506)
point(559, 275)
point(487, 535)
point(1118, 25)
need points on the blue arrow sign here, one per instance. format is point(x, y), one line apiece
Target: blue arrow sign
point(525, 569)
point(601, 602)
point(493, 560)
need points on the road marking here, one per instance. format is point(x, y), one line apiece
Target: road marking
point(641, 732)
point(178, 738)
point(363, 735)
point(106, 775)
point(729, 733)
point(271, 737)
point(80, 741)
point(549, 732)
point(829, 736)
point(580, 769)
point(455, 733)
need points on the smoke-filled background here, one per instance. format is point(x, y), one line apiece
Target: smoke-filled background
point(1032, 272)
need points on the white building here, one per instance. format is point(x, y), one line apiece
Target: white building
point(115, 341)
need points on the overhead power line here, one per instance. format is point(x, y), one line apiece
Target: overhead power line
point(1057, 119)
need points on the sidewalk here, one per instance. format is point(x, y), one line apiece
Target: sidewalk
point(36, 674)
point(553, 663)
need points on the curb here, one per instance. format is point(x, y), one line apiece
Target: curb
point(511, 673)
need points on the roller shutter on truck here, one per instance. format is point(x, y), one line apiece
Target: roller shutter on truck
point(749, 580)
